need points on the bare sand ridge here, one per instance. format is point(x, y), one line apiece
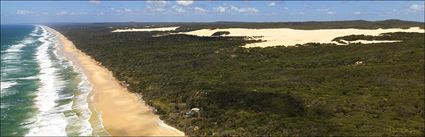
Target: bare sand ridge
point(285, 36)
point(290, 37)
point(122, 113)
point(146, 29)
point(373, 41)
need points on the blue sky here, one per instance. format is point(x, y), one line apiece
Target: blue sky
point(207, 11)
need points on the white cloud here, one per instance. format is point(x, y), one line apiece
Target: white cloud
point(357, 13)
point(326, 11)
point(154, 9)
point(220, 9)
point(330, 12)
point(32, 13)
point(94, 1)
point(65, 13)
point(271, 4)
point(116, 10)
point(44, 13)
point(78, 13)
point(200, 10)
point(234, 9)
point(184, 2)
point(297, 13)
point(128, 10)
point(415, 8)
point(24, 12)
point(160, 3)
point(122, 10)
point(100, 13)
point(243, 10)
point(60, 13)
point(322, 10)
point(178, 9)
point(156, 6)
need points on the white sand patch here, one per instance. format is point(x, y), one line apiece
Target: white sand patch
point(374, 41)
point(290, 37)
point(146, 29)
point(345, 42)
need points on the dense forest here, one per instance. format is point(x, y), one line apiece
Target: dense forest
point(305, 90)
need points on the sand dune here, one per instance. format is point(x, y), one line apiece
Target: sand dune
point(290, 37)
point(121, 111)
point(146, 29)
point(373, 41)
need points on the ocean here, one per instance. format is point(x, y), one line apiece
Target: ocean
point(41, 92)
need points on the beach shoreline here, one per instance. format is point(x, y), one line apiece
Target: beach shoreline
point(121, 112)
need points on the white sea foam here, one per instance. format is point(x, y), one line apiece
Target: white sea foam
point(24, 78)
point(9, 58)
point(10, 68)
point(81, 99)
point(7, 84)
point(17, 47)
point(82, 105)
point(50, 119)
point(35, 31)
point(12, 57)
point(28, 78)
point(4, 105)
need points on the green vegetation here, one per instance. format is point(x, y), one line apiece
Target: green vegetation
point(383, 36)
point(220, 33)
point(308, 90)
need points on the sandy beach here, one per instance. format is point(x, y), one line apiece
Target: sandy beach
point(122, 113)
